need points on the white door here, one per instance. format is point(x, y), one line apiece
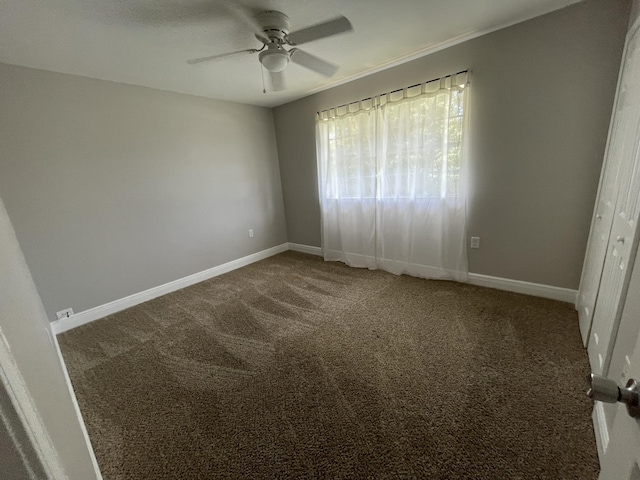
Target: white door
point(607, 191)
point(622, 458)
point(615, 222)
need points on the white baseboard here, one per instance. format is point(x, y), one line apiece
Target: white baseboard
point(80, 318)
point(600, 429)
point(518, 286)
point(298, 247)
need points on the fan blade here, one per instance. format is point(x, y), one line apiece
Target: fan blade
point(277, 81)
point(320, 30)
point(244, 16)
point(313, 63)
point(221, 55)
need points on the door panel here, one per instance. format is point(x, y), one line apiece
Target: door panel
point(612, 244)
point(619, 136)
point(596, 252)
point(612, 292)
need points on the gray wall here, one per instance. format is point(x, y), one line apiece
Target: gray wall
point(114, 189)
point(541, 100)
point(24, 328)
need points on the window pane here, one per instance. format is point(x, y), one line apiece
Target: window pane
point(410, 148)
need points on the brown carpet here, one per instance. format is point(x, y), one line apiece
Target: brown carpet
point(298, 368)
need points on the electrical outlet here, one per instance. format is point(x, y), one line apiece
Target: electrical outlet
point(66, 313)
point(475, 242)
point(251, 233)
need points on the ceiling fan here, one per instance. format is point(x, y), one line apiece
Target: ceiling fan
point(273, 30)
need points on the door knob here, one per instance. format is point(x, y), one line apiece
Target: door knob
point(605, 390)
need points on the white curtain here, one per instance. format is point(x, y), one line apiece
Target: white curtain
point(392, 180)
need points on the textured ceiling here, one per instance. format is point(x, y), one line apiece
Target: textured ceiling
point(147, 42)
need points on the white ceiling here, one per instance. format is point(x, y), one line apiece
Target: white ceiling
point(147, 42)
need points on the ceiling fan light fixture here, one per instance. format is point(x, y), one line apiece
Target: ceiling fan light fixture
point(274, 60)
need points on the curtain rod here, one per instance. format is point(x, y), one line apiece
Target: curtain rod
point(393, 91)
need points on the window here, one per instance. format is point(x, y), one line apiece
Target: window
point(391, 179)
point(411, 148)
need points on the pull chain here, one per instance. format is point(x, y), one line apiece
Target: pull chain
point(264, 90)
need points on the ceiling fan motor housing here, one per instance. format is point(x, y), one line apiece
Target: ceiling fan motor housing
point(275, 25)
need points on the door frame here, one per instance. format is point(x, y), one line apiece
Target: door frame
point(16, 389)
